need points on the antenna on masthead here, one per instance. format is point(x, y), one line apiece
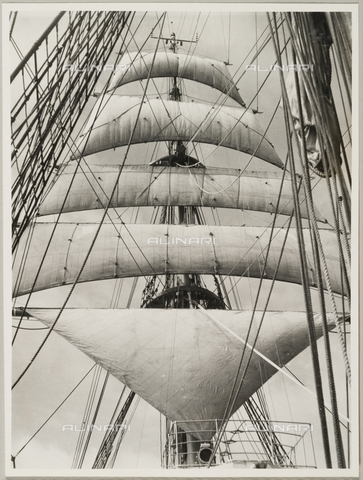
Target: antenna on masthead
point(174, 42)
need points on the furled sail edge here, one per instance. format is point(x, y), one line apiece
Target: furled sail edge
point(111, 123)
point(157, 342)
point(213, 73)
point(122, 250)
point(144, 185)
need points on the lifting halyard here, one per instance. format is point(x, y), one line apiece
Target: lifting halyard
point(173, 255)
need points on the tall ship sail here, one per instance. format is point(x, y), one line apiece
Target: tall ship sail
point(181, 231)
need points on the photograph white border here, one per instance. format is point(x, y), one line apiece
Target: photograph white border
point(353, 472)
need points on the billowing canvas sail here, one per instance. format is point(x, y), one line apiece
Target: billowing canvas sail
point(135, 67)
point(143, 185)
point(311, 127)
point(113, 119)
point(122, 250)
point(181, 361)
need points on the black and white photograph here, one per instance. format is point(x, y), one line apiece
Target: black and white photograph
point(180, 224)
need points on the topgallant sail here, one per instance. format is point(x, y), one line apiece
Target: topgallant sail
point(156, 199)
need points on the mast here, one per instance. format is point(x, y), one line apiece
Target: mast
point(179, 291)
point(182, 292)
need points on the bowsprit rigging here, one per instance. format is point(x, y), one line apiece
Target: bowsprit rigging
point(157, 184)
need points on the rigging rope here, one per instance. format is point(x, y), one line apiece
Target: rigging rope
point(321, 252)
point(313, 86)
point(253, 349)
point(88, 252)
point(107, 442)
point(55, 411)
point(36, 175)
point(13, 16)
point(111, 461)
point(347, 168)
point(231, 401)
point(87, 413)
point(316, 239)
point(89, 433)
point(304, 268)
